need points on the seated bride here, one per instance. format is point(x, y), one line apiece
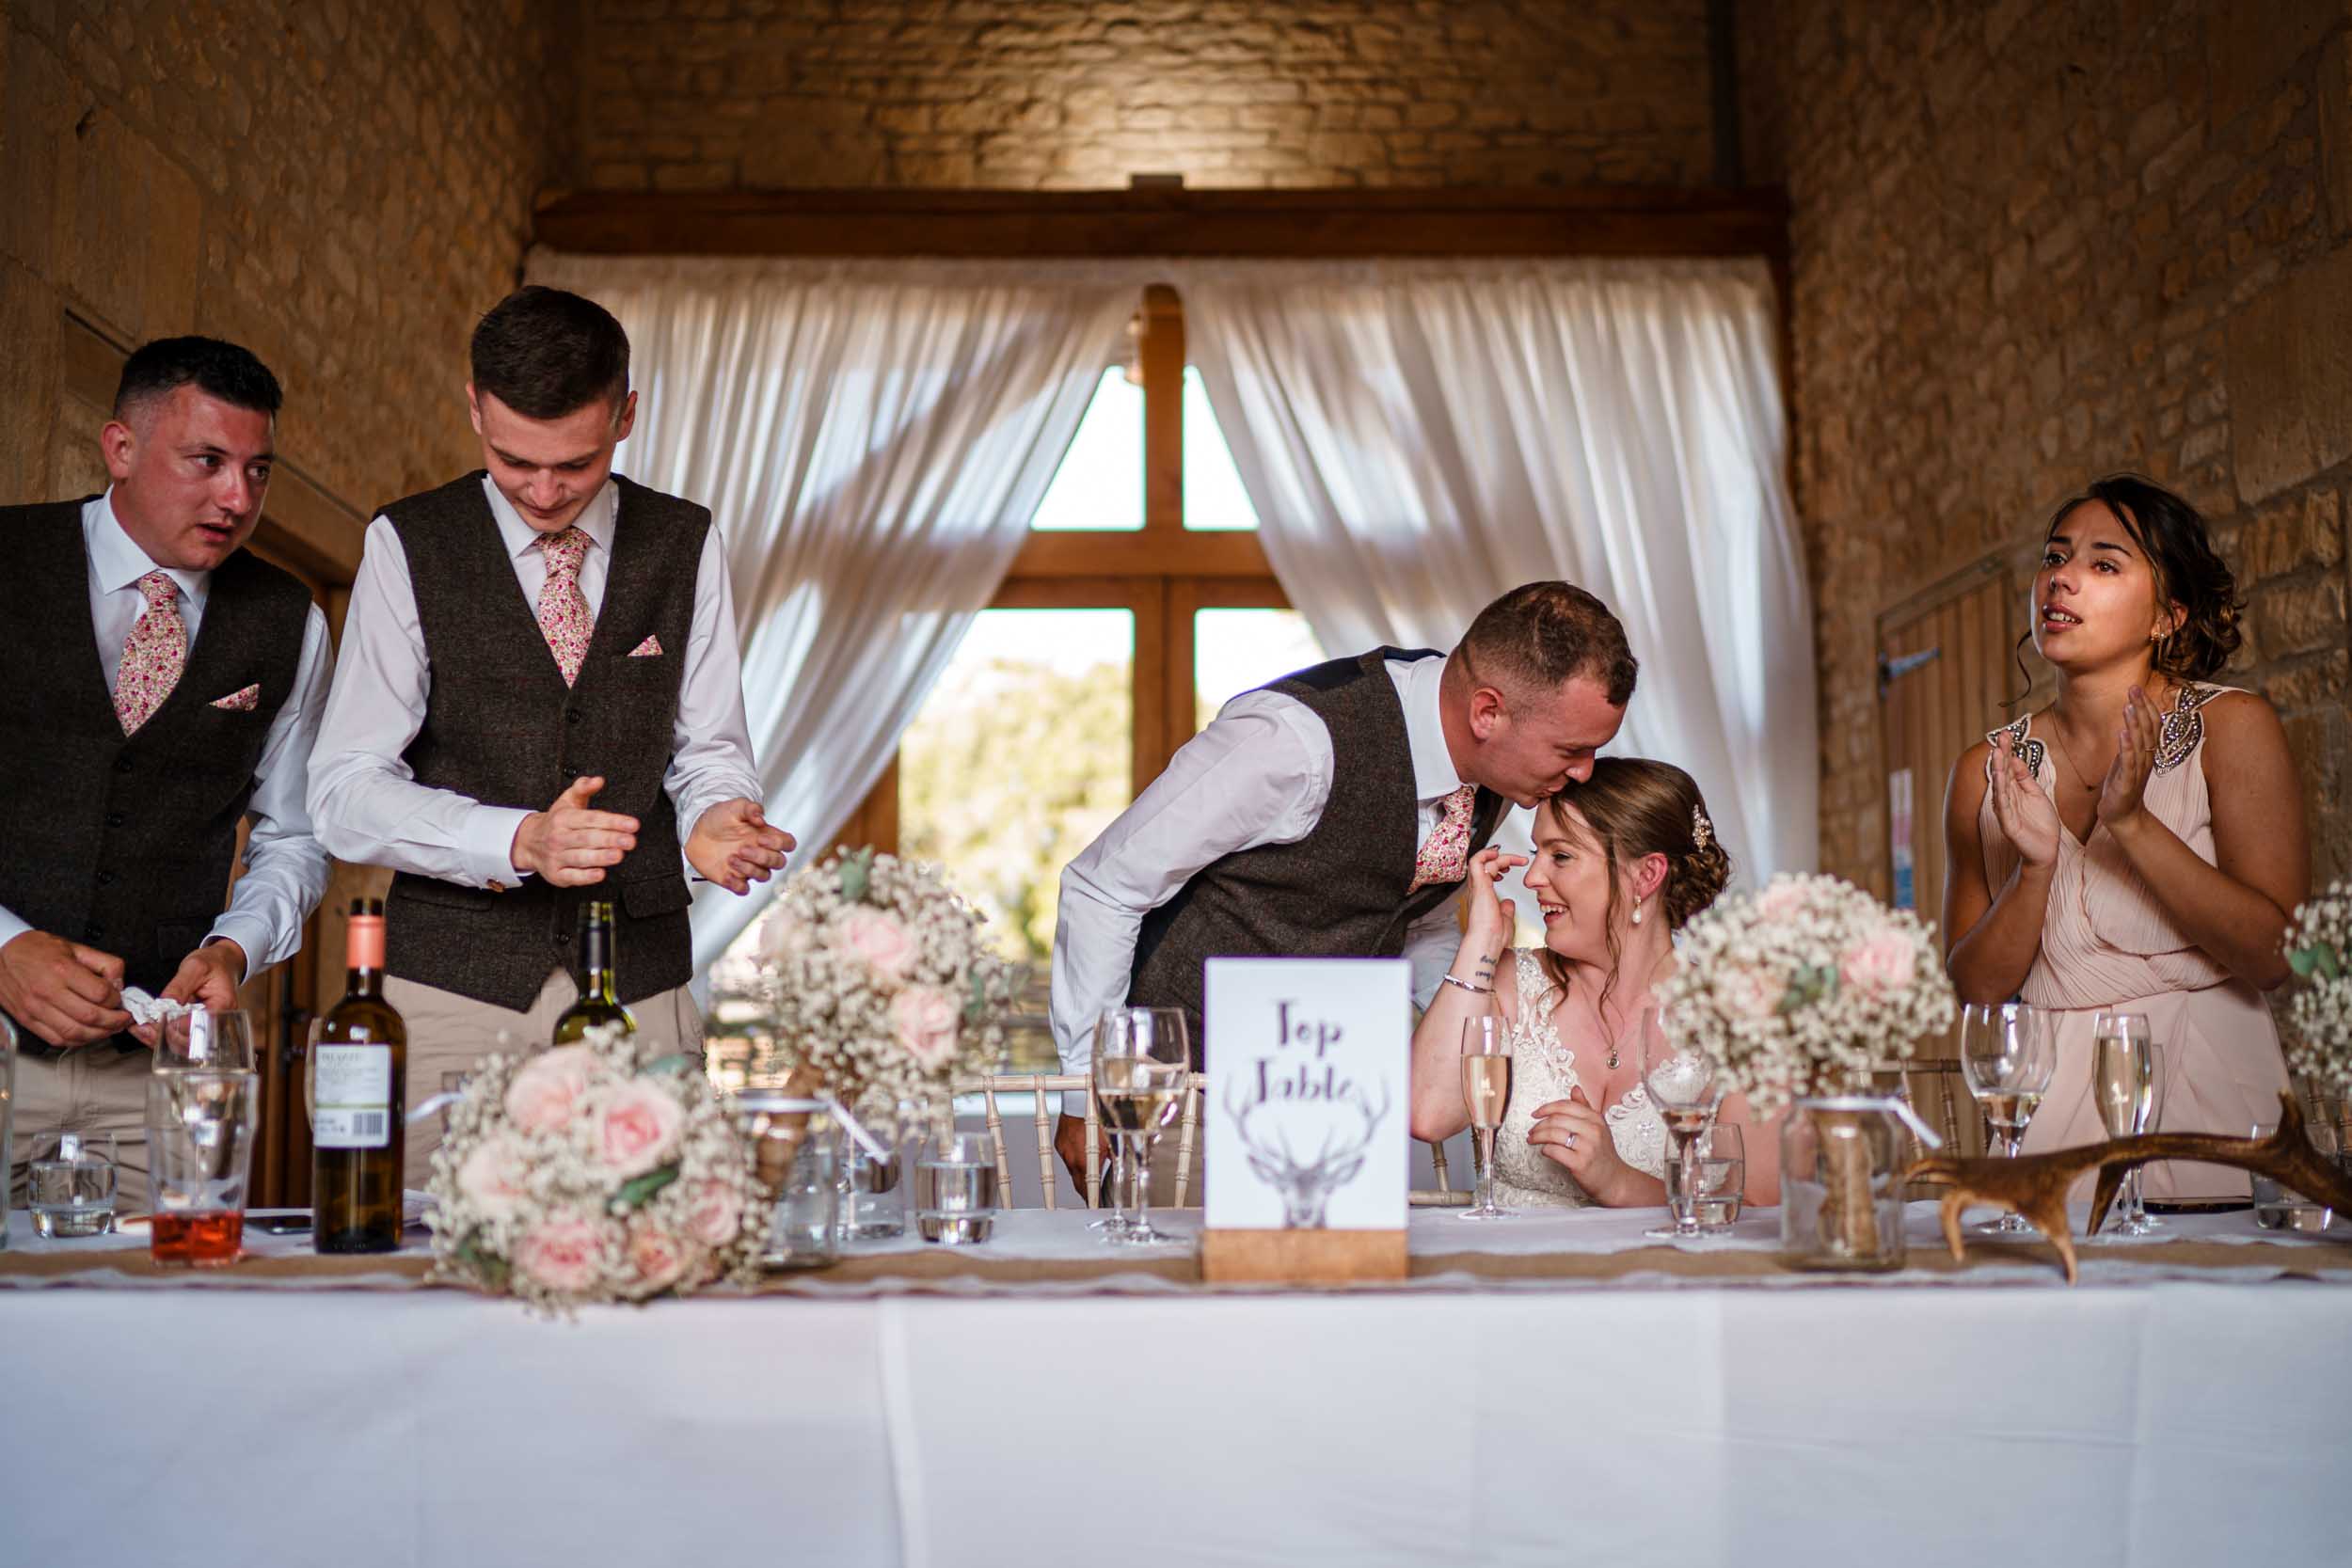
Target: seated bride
point(1621, 861)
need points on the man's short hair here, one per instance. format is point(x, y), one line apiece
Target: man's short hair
point(1540, 636)
point(546, 353)
point(217, 370)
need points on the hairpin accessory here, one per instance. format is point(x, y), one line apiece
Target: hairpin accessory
point(1702, 831)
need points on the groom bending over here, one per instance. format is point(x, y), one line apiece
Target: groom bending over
point(540, 701)
point(1332, 814)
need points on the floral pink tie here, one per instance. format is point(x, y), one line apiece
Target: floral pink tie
point(563, 615)
point(153, 656)
point(1446, 856)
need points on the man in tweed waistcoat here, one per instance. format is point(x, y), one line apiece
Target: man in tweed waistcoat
point(541, 703)
point(1332, 813)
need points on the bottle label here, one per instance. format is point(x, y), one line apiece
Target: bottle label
point(353, 1105)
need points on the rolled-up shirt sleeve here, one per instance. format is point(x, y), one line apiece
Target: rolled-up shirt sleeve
point(285, 866)
point(365, 804)
point(711, 757)
point(1259, 774)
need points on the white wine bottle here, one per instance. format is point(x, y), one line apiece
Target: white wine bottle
point(599, 967)
point(359, 1076)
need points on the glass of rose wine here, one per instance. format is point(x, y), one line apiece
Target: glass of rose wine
point(201, 1129)
point(2008, 1055)
point(1486, 1095)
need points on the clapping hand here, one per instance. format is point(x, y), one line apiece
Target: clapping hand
point(569, 844)
point(2121, 791)
point(2027, 815)
point(732, 846)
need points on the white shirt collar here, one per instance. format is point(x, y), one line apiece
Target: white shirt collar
point(596, 519)
point(1424, 732)
point(117, 560)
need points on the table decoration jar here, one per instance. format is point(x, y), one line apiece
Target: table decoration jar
point(1800, 991)
point(795, 1145)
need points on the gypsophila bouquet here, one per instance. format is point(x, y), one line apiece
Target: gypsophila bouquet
point(588, 1173)
point(1799, 987)
point(881, 982)
point(2318, 942)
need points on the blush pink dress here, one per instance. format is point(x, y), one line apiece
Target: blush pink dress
point(2107, 943)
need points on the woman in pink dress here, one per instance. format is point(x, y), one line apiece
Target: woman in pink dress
point(2137, 845)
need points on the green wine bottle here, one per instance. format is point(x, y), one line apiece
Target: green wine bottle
point(599, 965)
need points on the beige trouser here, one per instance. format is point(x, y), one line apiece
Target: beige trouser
point(451, 1034)
point(93, 1090)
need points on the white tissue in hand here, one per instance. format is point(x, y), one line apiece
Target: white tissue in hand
point(144, 1009)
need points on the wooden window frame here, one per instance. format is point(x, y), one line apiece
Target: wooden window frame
point(1160, 573)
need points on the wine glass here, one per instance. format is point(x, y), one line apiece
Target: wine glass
point(208, 1040)
point(2125, 1073)
point(2008, 1056)
point(1486, 1095)
point(1143, 1057)
point(1685, 1084)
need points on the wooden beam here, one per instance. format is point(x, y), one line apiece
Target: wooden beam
point(1176, 223)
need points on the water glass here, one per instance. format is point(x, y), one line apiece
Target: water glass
point(72, 1193)
point(955, 1188)
point(200, 1128)
point(1721, 1172)
point(872, 1207)
point(209, 1039)
point(8, 1120)
point(2277, 1207)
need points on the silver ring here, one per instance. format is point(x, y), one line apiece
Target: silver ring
point(1571, 1137)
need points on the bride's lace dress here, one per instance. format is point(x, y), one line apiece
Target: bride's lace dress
point(1543, 1070)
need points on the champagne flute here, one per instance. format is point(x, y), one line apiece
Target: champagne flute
point(2008, 1056)
point(1143, 1056)
point(1486, 1095)
point(2124, 1073)
point(1685, 1084)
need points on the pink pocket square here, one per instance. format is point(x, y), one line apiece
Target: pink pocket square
point(649, 648)
point(241, 702)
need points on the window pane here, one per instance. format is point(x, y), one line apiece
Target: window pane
point(1100, 482)
point(1237, 650)
point(1020, 755)
point(1214, 498)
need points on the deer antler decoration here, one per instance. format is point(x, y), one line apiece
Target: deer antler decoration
point(2035, 1185)
point(1305, 1186)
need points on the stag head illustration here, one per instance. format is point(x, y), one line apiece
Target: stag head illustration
point(1307, 1185)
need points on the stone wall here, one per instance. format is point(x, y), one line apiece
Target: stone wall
point(2033, 243)
point(1057, 94)
point(342, 185)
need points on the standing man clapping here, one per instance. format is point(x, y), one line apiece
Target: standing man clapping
point(540, 701)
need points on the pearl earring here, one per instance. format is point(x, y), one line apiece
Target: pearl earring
point(1637, 914)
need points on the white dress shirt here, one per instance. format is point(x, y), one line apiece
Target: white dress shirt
point(369, 806)
point(285, 868)
point(1259, 774)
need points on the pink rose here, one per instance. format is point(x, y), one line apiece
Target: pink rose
point(1742, 991)
point(564, 1253)
point(927, 1020)
point(880, 942)
point(1780, 901)
point(635, 1127)
point(493, 1179)
point(715, 1214)
point(541, 1098)
point(1879, 966)
point(657, 1259)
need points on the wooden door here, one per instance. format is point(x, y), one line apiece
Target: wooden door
point(1946, 675)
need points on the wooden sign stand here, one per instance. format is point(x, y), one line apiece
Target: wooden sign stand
point(1301, 1257)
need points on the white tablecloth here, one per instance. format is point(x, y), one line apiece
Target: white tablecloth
point(2159, 1422)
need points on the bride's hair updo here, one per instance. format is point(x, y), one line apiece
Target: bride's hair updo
point(1636, 808)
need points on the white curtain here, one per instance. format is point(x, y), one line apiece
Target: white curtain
point(1419, 437)
point(872, 438)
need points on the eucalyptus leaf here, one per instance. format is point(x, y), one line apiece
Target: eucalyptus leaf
point(857, 874)
point(634, 1194)
point(677, 1061)
point(2303, 960)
